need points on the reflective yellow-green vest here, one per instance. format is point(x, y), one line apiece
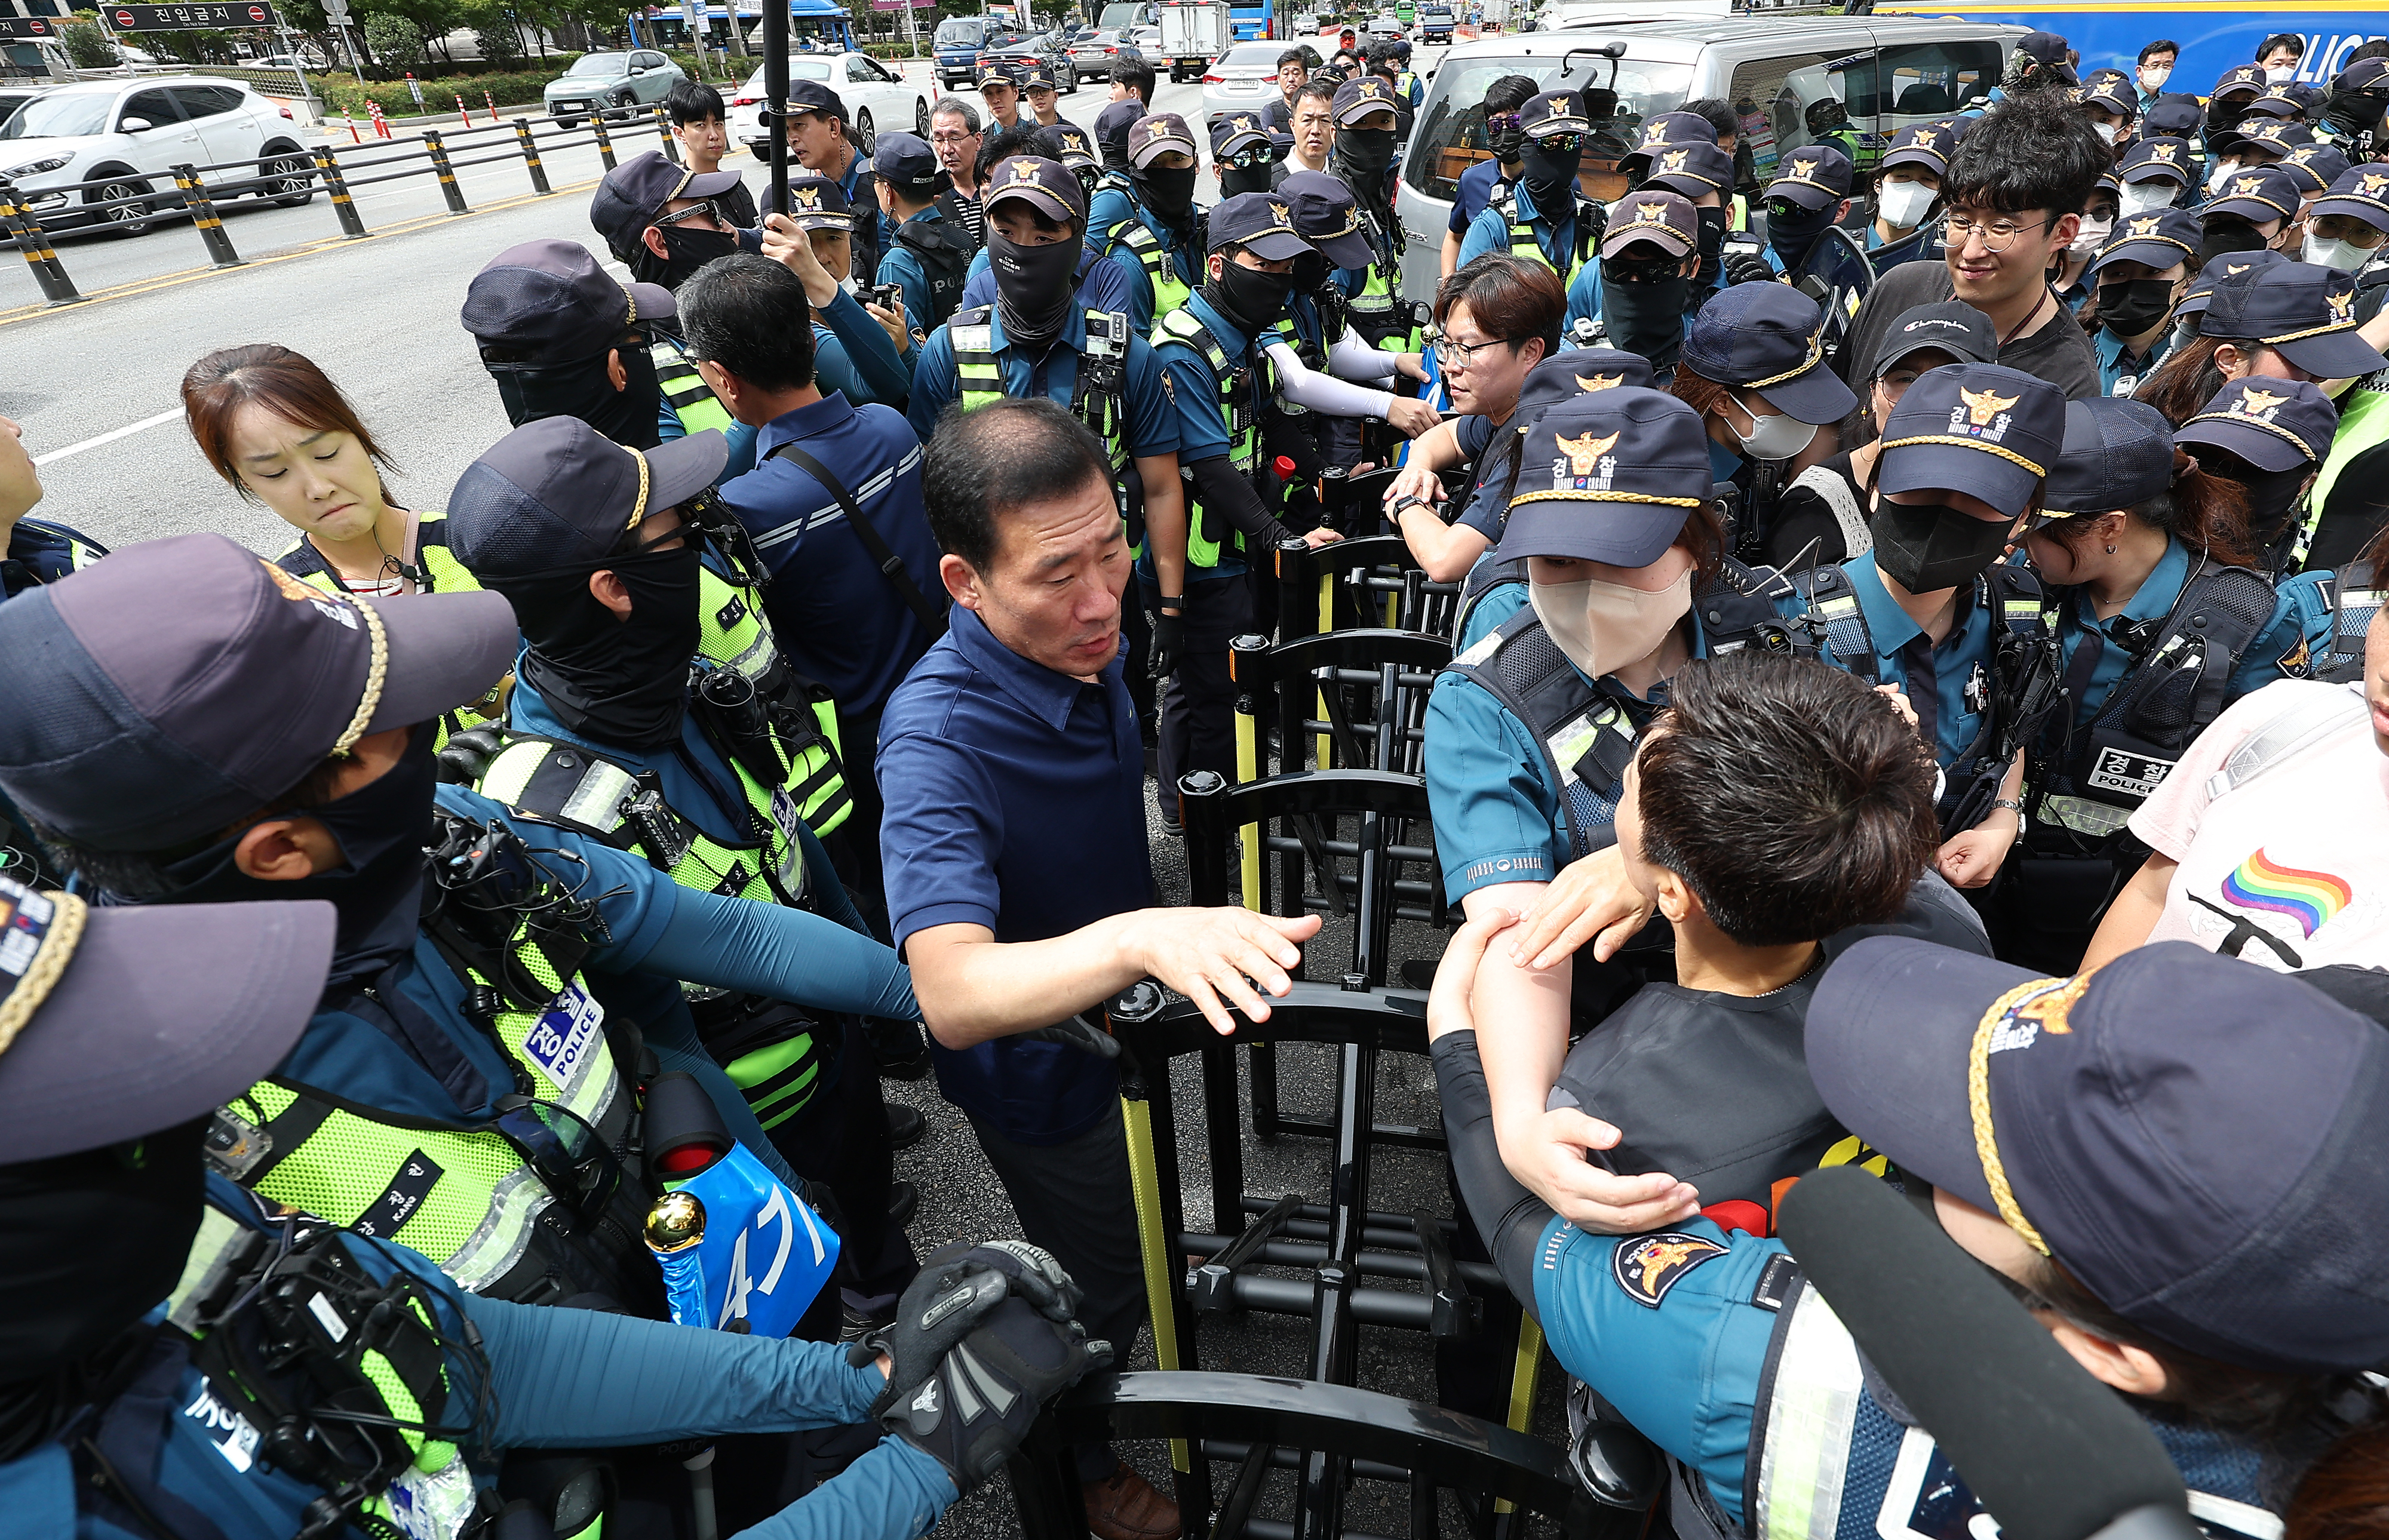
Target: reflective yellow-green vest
point(464, 1195)
point(1235, 382)
point(733, 632)
point(1526, 247)
point(1098, 399)
point(1169, 292)
point(692, 400)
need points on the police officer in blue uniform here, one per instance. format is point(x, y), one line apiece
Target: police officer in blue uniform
point(1101, 280)
point(1329, 377)
point(2101, 1167)
point(1639, 297)
point(1543, 216)
point(1765, 344)
point(925, 254)
point(1933, 610)
point(2158, 172)
point(2148, 567)
point(1809, 194)
point(2142, 273)
point(1155, 231)
point(184, 1360)
point(853, 352)
point(1907, 183)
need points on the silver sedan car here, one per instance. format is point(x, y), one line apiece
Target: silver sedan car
point(1241, 79)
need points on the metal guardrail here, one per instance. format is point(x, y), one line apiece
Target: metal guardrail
point(438, 153)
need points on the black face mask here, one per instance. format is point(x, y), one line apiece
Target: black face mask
point(381, 829)
point(619, 682)
point(686, 251)
point(1793, 236)
point(95, 1239)
point(1646, 318)
point(2221, 240)
point(581, 390)
point(1250, 298)
point(1506, 145)
point(1169, 194)
point(1367, 151)
point(2356, 109)
point(1925, 548)
point(2138, 305)
point(1035, 286)
point(1243, 179)
point(1310, 272)
point(2271, 494)
point(1550, 178)
point(1712, 233)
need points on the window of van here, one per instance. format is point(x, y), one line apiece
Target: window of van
point(961, 32)
point(1772, 105)
point(1916, 81)
point(1450, 135)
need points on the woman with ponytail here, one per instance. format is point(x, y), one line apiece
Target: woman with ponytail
point(2161, 623)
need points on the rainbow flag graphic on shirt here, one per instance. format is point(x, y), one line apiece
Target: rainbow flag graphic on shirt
point(2308, 898)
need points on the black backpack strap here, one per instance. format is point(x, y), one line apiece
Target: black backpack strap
point(1586, 738)
point(2219, 613)
point(1737, 610)
point(891, 566)
point(2353, 594)
point(1834, 611)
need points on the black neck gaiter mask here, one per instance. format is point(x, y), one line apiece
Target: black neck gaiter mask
point(1551, 181)
point(1035, 286)
point(581, 390)
point(95, 1240)
point(1169, 194)
point(1647, 318)
point(617, 682)
point(1251, 299)
point(1243, 179)
point(1793, 235)
point(382, 828)
point(2131, 306)
point(1359, 157)
point(688, 250)
point(1712, 236)
point(1928, 547)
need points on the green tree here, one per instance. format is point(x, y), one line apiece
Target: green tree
point(88, 45)
point(495, 32)
point(396, 42)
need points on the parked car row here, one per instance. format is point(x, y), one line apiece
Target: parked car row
point(127, 135)
point(876, 97)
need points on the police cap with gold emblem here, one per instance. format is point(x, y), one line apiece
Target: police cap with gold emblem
point(1608, 477)
point(2166, 238)
point(1980, 429)
point(2274, 425)
point(2303, 312)
point(1260, 222)
point(2360, 192)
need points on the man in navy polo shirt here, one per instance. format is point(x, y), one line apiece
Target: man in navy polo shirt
point(1018, 882)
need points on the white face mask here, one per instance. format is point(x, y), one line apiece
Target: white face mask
point(2153, 80)
point(1902, 204)
point(2342, 255)
point(2222, 169)
point(2093, 236)
point(1777, 438)
point(2108, 131)
point(2280, 75)
point(2140, 196)
point(1601, 627)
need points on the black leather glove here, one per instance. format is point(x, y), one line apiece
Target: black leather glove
point(1744, 267)
point(1169, 641)
point(959, 1284)
point(973, 1409)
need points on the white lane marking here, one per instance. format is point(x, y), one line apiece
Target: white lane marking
point(125, 432)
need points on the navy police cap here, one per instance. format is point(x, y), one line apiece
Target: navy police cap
point(2274, 425)
point(2302, 310)
point(2221, 270)
point(2164, 157)
point(2117, 453)
point(1812, 176)
point(1327, 216)
point(1262, 222)
point(2167, 239)
point(550, 300)
point(557, 493)
point(1980, 429)
point(1693, 170)
point(1608, 477)
point(1771, 338)
point(1925, 144)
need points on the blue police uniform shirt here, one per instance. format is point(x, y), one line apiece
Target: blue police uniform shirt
point(558, 1379)
point(1483, 512)
point(1491, 233)
point(2119, 374)
point(853, 357)
point(1949, 684)
point(2300, 629)
point(1472, 193)
point(1202, 432)
point(833, 613)
point(1498, 816)
point(1152, 426)
point(899, 264)
point(1015, 800)
point(1180, 252)
point(1103, 285)
point(41, 552)
point(1111, 204)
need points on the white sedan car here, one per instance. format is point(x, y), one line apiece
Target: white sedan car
point(876, 97)
point(128, 136)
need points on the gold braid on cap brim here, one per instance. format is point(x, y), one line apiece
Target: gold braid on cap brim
point(639, 509)
point(2310, 331)
point(40, 975)
point(1816, 355)
point(2304, 448)
point(377, 673)
point(1978, 1104)
point(1606, 497)
point(1962, 442)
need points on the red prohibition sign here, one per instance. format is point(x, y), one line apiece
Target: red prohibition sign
point(124, 19)
point(257, 13)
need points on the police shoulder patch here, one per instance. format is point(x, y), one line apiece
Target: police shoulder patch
point(1646, 1266)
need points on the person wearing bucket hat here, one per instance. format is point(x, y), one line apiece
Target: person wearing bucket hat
point(2148, 556)
point(1821, 519)
point(1932, 609)
point(2141, 274)
point(1753, 368)
point(856, 349)
point(143, 1324)
point(1640, 297)
point(2269, 436)
point(1158, 237)
point(1543, 217)
point(2156, 174)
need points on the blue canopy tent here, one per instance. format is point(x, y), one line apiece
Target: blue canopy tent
point(815, 23)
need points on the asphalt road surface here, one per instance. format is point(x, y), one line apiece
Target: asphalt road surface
point(95, 388)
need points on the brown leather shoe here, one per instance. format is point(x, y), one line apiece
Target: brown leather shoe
point(1123, 1505)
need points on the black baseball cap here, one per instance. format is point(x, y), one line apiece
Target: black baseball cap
point(1608, 477)
point(2365, 74)
point(1951, 326)
point(130, 1019)
point(1812, 176)
point(2303, 312)
point(1157, 133)
point(633, 193)
point(183, 683)
point(2117, 453)
point(1581, 372)
point(551, 300)
point(557, 493)
point(2259, 193)
point(2360, 192)
point(1327, 216)
point(1691, 170)
point(1925, 144)
point(1771, 338)
point(905, 161)
point(806, 95)
point(2164, 157)
point(2045, 47)
point(1263, 223)
point(2174, 115)
point(1236, 133)
point(2274, 425)
point(1355, 100)
point(995, 71)
point(2187, 1135)
point(2314, 167)
point(1654, 214)
point(1980, 429)
point(1046, 185)
point(817, 202)
point(1113, 124)
point(2218, 271)
point(2165, 238)
point(1552, 112)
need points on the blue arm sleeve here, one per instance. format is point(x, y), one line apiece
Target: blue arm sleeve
point(875, 359)
point(1488, 233)
point(1496, 818)
point(832, 369)
point(936, 383)
point(742, 451)
point(892, 1492)
point(830, 893)
point(1151, 425)
point(979, 265)
point(667, 422)
point(783, 953)
point(901, 268)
